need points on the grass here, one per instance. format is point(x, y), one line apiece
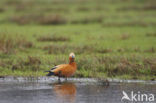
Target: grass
point(115, 40)
point(53, 38)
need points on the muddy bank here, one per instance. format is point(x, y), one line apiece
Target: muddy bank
point(76, 80)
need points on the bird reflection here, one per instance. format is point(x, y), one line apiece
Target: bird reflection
point(65, 91)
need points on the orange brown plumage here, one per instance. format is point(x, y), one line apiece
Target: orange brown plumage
point(64, 70)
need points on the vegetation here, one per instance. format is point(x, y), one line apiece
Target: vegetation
point(115, 39)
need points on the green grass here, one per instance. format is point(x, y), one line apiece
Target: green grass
point(115, 40)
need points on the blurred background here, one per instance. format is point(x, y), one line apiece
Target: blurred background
point(111, 38)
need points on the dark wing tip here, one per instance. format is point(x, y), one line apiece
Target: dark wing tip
point(50, 73)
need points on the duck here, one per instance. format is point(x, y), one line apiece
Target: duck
point(64, 70)
point(65, 91)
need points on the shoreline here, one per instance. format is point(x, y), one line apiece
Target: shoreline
point(44, 79)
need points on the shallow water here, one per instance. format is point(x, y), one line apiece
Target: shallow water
point(48, 90)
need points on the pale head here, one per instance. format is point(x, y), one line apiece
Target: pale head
point(71, 57)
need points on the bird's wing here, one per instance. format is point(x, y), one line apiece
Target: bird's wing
point(54, 67)
point(58, 67)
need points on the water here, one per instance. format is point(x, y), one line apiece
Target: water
point(48, 90)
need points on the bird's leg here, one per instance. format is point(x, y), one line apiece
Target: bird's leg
point(66, 79)
point(58, 78)
point(59, 74)
point(59, 81)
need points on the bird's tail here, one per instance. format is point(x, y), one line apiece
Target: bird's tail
point(50, 73)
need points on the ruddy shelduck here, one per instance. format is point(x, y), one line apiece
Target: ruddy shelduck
point(65, 91)
point(64, 70)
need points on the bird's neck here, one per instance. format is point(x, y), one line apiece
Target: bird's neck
point(71, 60)
point(72, 63)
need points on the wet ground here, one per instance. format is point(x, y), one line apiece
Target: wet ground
point(48, 90)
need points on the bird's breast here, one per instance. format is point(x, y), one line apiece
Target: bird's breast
point(69, 70)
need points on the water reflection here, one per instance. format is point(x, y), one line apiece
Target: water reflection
point(68, 92)
point(65, 92)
